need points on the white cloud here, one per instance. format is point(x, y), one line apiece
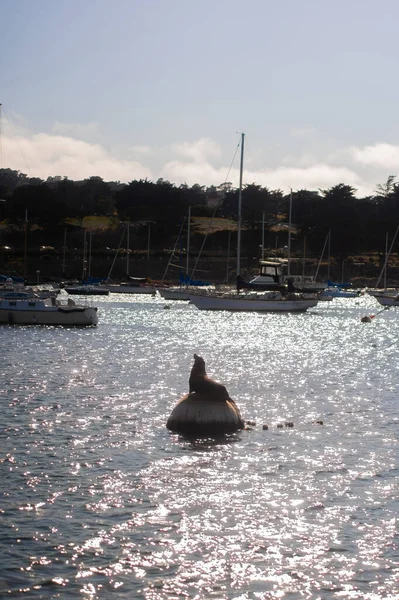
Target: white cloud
point(313, 177)
point(42, 155)
point(198, 151)
point(380, 155)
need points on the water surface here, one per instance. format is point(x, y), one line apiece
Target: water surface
point(99, 500)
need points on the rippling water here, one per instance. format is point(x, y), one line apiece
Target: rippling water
point(99, 500)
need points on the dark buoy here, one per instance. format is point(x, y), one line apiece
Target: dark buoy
point(207, 409)
point(366, 319)
point(265, 426)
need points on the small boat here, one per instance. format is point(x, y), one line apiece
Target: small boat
point(272, 276)
point(30, 310)
point(87, 290)
point(382, 292)
point(135, 285)
point(174, 293)
point(388, 300)
point(335, 292)
point(9, 289)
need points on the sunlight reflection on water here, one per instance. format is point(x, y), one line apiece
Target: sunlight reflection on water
point(100, 500)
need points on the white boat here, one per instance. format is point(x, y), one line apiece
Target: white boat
point(37, 311)
point(272, 275)
point(251, 301)
point(388, 300)
point(174, 293)
point(14, 290)
point(181, 292)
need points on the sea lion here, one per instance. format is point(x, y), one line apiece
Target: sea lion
point(207, 409)
point(200, 383)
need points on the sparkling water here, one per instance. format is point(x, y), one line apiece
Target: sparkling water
point(99, 500)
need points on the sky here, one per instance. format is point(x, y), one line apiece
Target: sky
point(134, 89)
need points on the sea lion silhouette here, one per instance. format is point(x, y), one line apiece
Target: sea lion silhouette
point(200, 383)
point(207, 409)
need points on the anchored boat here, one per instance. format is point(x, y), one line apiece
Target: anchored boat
point(30, 310)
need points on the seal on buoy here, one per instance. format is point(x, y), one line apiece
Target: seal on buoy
point(207, 409)
point(200, 383)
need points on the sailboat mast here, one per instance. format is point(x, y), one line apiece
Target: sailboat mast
point(90, 244)
point(263, 236)
point(188, 239)
point(329, 255)
point(64, 252)
point(386, 261)
point(26, 245)
point(127, 247)
point(304, 259)
point(84, 265)
point(148, 241)
point(289, 236)
point(239, 206)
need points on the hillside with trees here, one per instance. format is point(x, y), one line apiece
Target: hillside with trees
point(36, 216)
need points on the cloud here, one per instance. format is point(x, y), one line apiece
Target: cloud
point(201, 161)
point(319, 175)
point(380, 155)
point(198, 151)
point(42, 155)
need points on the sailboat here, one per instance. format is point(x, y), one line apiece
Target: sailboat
point(88, 286)
point(132, 285)
point(178, 292)
point(385, 292)
point(187, 283)
point(248, 300)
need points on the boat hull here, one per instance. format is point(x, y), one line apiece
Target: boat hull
point(54, 315)
point(81, 291)
point(255, 304)
point(131, 289)
point(388, 300)
point(174, 294)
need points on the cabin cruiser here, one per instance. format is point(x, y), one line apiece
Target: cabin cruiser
point(273, 275)
point(21, 308)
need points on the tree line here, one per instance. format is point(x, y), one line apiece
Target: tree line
point(358, 225)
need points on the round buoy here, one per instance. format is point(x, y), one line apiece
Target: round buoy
point(366, 319)
point(207, 409)
point(264, 427)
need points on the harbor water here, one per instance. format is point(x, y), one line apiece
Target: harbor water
point(99, 500)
